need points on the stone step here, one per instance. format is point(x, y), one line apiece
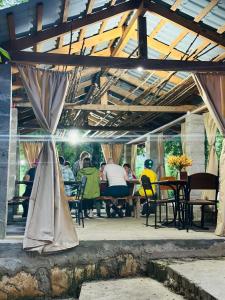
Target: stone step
point(194, 279)
point(141, 288)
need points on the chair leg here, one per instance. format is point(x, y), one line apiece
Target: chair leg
point(202, 216)
point(147, 213)
point(216, 212)
point(166, 212)
point(160, 214)
point(156, 216)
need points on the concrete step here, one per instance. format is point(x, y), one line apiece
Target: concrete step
point(194, 279)
point(127, 289)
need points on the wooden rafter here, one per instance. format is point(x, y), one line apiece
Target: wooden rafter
point(39, 15)
point(176, 4)
point(206, 10)
point(64, 17)
point(66, 27)
point(221, 29)
point(11, 26)
point(115, 62)
point(127, 108)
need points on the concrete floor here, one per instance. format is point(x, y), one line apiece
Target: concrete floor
point(127, 289)
point(122, 229)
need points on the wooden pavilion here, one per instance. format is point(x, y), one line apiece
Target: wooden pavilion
point(130, 64)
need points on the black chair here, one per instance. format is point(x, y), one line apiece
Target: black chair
point(201, 181)
point(153, 202)
point(77, 200)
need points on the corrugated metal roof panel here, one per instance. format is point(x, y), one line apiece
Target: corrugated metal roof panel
point(92, 29)
point(48, 45)
point(216, 17)
point(130, 46)
point(112, 22)
point(102, 46)
point(184, 44)
point(152, 21)
point(168, 86)
point(168, 33)
point(100, 4)
point(152, 53)
point(66, 37)
point(211, 54)
point(152, 79)
point(76, 7)
point(182, 75)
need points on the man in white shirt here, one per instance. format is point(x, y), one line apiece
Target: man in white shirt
point(116, 177)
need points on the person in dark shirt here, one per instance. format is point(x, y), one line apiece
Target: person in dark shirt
point(29, 177)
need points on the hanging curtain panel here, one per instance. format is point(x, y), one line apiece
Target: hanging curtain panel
point(212, 164)
point(133, 157)
point(212, 90)
point(106, 150)
point(117, 150)
point(31, 151)
point(49, 224)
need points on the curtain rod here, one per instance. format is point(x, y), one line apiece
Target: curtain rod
point(166, 126)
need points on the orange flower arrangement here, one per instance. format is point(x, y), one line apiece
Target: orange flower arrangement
point(179, 162)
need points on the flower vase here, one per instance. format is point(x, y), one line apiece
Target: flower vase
point(178, 174)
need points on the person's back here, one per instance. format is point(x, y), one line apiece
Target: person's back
point(92, 188)
point(115, 175)
point(151, 175)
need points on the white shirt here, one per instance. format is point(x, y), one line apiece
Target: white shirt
point(115, 174)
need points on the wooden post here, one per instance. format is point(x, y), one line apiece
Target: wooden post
point(5, 117)
point(104, 97)
point(142, 37)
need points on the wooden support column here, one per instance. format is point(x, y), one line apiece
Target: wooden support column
point(5, 126)
point(104, 97)
point(142, 37)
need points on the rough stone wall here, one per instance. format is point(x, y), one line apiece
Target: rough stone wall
point(32, 276)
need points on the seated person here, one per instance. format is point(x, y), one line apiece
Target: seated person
point(130, 173)
point(92, 188)
point(67, 175)
point(102, 167)
point(29, 176)
point(148, 164)
point(117, 184)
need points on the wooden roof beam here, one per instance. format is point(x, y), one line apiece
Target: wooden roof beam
point(161, 10)
point(126, 108)
point(64, 17)
point(115, 62)
point(39, 16)
point(11, 26)
point(66, 27)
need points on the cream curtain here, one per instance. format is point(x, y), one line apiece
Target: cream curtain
point(106, 150)
point(161, 166)
point(212, 164)
point(112, 150)
point(31, 151)
point(212, 90)
point(49, 224)
point(133, 157)
point(117, 150)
